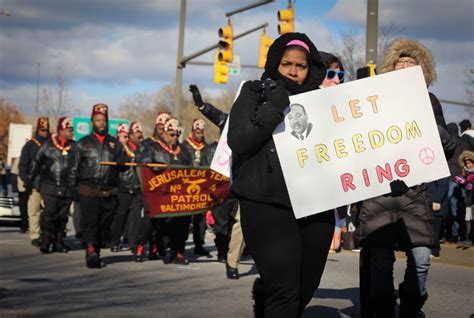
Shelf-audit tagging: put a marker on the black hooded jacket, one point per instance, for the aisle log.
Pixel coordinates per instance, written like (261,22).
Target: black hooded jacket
(256,168)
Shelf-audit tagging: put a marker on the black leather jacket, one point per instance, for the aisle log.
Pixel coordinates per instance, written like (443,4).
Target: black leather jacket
(154,153)
(51,164)
(85,167)
(197,157)
(129,180)
(28,155)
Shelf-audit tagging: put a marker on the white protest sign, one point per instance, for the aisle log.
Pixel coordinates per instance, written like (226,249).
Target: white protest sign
(222,160)
(356,138)
(18,135)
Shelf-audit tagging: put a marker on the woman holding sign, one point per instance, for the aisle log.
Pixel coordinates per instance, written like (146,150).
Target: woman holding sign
(290,254)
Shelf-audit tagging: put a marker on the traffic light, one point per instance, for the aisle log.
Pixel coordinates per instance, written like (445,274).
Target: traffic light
(220,70)
(288,18)
(265,43)
(367,71)
(225,44)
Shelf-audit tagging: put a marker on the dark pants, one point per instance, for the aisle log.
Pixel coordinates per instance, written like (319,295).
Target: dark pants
(138,222)
(438,229)
(290,254)
(178,231)
(23,205)
(96,217)
(54,217)
(126,203)
(199,229)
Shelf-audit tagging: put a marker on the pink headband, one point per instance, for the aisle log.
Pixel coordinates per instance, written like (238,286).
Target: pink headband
(298,43)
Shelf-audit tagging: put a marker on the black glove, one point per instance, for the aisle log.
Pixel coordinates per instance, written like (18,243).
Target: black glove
(196,95)
(398,188)
(275,93)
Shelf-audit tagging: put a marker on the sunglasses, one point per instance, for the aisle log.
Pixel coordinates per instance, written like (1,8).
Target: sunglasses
(330,74)
(174,135)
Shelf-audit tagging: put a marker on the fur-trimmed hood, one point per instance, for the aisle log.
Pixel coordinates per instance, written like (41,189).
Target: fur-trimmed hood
(465,154)
(413,49)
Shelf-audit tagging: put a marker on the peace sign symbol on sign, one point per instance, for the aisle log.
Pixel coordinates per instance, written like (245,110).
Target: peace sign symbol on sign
(426,155)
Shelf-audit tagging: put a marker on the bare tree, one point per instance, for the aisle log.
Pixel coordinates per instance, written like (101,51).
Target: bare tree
(387,35)
(55,99)
(351,47)
(351,52)
(9,113)
(144,107)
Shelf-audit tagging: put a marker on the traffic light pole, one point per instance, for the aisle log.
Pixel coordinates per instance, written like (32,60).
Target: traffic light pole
(179,68)
(212,64)
(372,31)
(188,58)
(248,7)
(181,61)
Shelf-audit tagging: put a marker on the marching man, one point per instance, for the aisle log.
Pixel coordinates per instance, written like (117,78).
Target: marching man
(96,183)
(51,163)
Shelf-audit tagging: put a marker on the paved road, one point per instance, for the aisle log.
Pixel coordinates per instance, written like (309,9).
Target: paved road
(32,284)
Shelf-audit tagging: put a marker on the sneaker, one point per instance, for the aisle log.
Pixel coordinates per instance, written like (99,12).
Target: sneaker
(92,258)
(153,254)
(180,259)
(138,256)
(435,256)
(36,242)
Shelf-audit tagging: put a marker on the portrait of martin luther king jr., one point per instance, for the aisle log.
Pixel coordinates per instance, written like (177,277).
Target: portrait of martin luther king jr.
(298,120)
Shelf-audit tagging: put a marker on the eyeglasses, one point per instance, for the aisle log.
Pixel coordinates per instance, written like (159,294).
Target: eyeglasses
(408,61)
(43,130)
(330,74)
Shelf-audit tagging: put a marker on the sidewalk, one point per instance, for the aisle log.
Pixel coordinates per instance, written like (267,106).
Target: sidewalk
(452,254)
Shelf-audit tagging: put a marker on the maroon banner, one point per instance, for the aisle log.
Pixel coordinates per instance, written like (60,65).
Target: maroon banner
(176,191)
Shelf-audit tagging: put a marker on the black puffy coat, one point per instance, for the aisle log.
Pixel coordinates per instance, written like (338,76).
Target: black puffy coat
(86,156)
(51,164)
(256,167)
(410,215)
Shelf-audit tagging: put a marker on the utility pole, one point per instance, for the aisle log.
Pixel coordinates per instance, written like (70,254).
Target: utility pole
(37,88)
(179,66)
(372,31)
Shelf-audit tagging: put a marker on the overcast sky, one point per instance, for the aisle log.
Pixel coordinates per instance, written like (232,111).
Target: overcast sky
(115,48)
